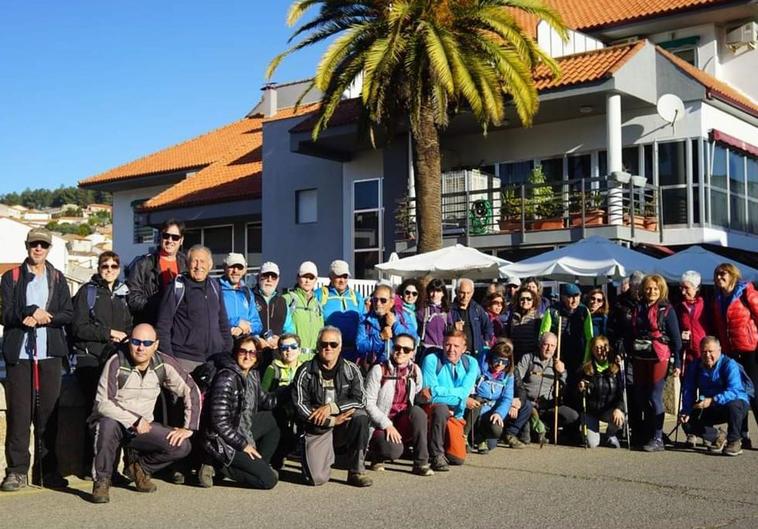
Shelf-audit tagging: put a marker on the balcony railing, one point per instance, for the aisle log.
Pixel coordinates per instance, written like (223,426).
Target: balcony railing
(580,203)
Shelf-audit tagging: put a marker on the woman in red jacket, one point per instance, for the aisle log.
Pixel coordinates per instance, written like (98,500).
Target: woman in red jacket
(735,317)
(694,319)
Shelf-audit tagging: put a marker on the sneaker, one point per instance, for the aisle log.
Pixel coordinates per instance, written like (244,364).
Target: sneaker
(513,441)
(613,442)
(100,491)
(176,477)
(654,445)
(733,448)
(423,470)
(439,464)
(142,480)
(51,480)
(483,448)
(717,446)
(14,482)
(359,479)
(378,466)
(205,476)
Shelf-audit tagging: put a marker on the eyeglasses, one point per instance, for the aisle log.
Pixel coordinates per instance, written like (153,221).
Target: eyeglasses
(42,244)
(173,236)
(496,302)
(110,266)
(500,362)
(288,347)
(246,352)
(410,293)
(596,300)
(402,349)
(237,267)
(310,277)
(269,275)
(330,345)
(521,300)
(136,342)
(380,300)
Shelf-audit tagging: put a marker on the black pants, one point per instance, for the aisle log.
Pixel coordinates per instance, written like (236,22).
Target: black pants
(732,413)
(285,420)
(412,425)
(568,418)
(88,378)
(19,398)
(486,430)
(440,413)
(750,363)
(266,434)
(254,473)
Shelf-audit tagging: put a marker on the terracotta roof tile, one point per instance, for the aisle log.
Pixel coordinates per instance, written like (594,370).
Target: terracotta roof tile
(716,89)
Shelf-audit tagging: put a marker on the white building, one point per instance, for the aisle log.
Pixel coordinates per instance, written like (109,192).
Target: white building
(13,249)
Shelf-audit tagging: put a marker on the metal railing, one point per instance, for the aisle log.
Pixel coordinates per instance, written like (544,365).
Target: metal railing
(579,203)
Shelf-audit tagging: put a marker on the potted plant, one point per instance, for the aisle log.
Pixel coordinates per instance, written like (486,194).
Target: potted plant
(650,214)
(405,222)
(542,206)
(510,209)
(594,214)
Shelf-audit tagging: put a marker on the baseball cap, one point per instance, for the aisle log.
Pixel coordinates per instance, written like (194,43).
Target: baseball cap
(269,267)
(339,267)
(513,280)
(235,259)
(308,267)
(39,235)
(570,289)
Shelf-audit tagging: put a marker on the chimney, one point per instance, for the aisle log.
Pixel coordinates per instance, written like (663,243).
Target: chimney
(268,101)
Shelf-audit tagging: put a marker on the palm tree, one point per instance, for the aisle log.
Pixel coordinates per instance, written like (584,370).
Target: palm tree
(421,61)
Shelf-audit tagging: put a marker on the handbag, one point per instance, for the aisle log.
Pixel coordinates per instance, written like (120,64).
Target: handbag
(643,349)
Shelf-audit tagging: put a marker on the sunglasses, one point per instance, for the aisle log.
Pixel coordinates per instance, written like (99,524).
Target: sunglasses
(42,244)
(380,300)
(173,236)
(402,349)
(136,342)
(110,267)
(526,299)
(500,362)
(269,275)
(246,352)
(410,293)
(330,345)
(288,347)
(310,277)
(597,300)
(237,267)
(496,302)
(343,276)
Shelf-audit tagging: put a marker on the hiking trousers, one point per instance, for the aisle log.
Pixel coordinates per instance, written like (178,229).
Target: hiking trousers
(351,436)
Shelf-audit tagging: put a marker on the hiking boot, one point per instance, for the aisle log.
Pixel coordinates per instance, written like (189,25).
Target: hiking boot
(613,442)
(439,464)
(378,466)
(691,441)
(176,477)
(654,445)
(483,448)
(422,470)
(100,491)
(733,448)
(205,476)
(359,479)
(717,446)
(51,480)
(525,436)
(142,480)
(513,441)
(13,482)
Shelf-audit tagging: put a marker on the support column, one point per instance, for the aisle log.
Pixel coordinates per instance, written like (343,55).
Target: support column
(614,147)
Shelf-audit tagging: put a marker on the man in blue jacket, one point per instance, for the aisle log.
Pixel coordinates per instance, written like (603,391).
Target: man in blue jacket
(343,306)
(468,316)
(723,398)
(449,379)
(238,298)
(378,328)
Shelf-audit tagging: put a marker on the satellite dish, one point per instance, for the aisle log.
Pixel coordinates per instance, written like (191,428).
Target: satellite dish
(670,108)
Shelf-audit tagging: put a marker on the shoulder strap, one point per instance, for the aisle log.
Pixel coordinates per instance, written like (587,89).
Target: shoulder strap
(159,367)
(466,359)
(324,295)
(124,369)
(179,289)
(16,274)
(91,298)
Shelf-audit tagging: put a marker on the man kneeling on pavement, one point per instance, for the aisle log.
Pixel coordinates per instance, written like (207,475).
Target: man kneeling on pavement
(123,413)
(723,398)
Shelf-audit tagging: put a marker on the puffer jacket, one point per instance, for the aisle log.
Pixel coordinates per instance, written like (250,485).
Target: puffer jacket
(605,391)
(381,383)
(224,406)
(523,330)
(735,318)
(370,346)
(693,317)
(145,287)
(495,392)
(91,329)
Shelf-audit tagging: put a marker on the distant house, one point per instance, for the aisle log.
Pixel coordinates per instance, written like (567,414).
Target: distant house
(9,211)
(36,217)
(98,208)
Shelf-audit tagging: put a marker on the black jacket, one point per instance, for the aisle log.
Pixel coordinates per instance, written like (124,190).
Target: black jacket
(273,313)
(620,322)
(196,328)
(605,390)
(308,392)
(15,310)
(145,288)
(91,329)
(222,410)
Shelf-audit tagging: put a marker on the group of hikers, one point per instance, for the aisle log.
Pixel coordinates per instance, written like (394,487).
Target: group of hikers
(210,379)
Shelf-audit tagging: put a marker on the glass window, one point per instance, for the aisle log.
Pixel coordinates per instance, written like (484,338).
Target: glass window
(695,162)
(630,160)
(672,167)
(718,167)
(752,177)
(553,169)
(648,159)
(364,265)
(579,166)
(718,208)
(254,244)
(366,194)
(191,238)
(220,241)
(687,54)
(488,169)
(366,230)
(515,172)
(736,173)
(752,208)
(602,164)
(143,234)
(306,206)
(738,220)
(674,206)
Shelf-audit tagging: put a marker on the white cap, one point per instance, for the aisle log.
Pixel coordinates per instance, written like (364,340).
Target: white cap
(513,280)
(269,267)
(339,268)
(308,267)
(235,259)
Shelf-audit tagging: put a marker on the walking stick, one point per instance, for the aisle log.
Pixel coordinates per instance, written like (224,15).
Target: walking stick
(626,403)
(675,431)
(557,387)
(584,416)
(32,347)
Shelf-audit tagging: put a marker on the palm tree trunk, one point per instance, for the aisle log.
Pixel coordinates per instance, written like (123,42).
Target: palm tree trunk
(428,176)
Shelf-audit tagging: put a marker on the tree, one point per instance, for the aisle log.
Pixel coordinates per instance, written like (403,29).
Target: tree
(423,61)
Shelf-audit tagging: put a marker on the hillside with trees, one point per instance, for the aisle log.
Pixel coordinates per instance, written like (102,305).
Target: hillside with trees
(53,198)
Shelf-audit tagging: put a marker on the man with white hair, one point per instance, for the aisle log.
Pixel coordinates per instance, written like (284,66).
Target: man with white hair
(468,316)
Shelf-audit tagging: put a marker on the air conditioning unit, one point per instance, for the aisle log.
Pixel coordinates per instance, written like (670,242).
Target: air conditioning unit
(745,35)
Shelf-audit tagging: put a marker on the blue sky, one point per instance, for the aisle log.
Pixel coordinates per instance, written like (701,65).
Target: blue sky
(86,85)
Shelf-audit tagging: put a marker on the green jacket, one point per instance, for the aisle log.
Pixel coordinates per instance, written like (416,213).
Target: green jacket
(576,333)
(307,317)
(278,374)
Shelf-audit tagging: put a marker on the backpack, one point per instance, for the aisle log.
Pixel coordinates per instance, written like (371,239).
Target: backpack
(747,383)
(125,368)
(325,296)
(179,289)
(466,359)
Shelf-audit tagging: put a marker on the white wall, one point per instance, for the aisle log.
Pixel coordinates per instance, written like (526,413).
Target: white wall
(738,68)
(366,165)
(577,42)
(714,118)
(123,221)
(13,249)
(707,53)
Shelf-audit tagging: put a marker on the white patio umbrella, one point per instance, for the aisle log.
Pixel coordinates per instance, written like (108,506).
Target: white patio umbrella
(594,260)
(448,263)
(702,261)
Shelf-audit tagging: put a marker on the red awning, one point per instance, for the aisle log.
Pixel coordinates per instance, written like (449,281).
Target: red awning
(735,143)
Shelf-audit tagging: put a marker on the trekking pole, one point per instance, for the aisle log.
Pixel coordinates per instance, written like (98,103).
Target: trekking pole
(557,387)
(626,404)
(675,431)
(32,346)
(584,416)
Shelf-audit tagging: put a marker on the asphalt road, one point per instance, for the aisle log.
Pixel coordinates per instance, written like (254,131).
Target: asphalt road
(531,488)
